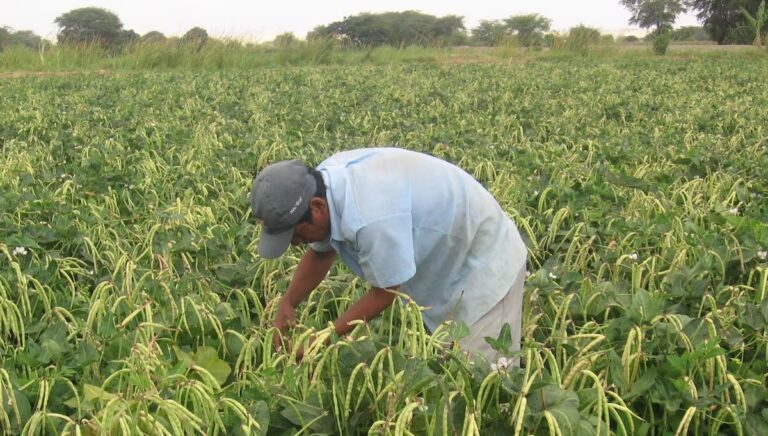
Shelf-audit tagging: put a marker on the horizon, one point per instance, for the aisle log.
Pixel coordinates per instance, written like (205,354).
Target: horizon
(230,19)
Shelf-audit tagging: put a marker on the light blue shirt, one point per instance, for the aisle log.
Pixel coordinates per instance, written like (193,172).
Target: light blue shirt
(404,218)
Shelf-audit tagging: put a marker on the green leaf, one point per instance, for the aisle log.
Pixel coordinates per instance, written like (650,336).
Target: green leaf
(95,393)
(628,181)
(260,412)
(301,414)
(562,404)
(503,343)
(757,424)
(21,405)
(459,331)
(207,358)
(645,306)
(642,384)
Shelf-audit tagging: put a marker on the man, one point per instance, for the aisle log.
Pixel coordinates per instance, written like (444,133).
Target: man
(402,221)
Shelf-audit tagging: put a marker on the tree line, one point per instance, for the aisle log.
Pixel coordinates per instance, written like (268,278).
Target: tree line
(724,21)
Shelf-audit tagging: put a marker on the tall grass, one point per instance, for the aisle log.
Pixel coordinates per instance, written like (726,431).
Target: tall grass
(218,55)
(213,56)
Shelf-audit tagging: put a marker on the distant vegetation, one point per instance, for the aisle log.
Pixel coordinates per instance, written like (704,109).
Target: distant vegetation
(96,38)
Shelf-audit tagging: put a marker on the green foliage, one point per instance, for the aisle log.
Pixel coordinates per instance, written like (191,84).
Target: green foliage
(89,26)
(661,43)
(285,40)
(724,20)
(757,23)
(397,29)
(128,38)
(5,37)
(659,14)
(134,302)
(153,37)
(195,38)
(528,28)
(21,38)
(689,33)
(28,39)
(490,32)
(581,38)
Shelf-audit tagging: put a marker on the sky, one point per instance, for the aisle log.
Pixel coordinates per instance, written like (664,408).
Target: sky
(256,20)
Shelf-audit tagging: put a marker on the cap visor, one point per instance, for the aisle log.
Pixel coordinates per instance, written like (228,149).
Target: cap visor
(273,245)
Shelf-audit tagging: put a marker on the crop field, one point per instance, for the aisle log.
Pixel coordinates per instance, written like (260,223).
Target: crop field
(132,300)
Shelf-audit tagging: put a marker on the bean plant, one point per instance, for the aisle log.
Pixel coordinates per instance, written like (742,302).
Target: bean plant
(133,301)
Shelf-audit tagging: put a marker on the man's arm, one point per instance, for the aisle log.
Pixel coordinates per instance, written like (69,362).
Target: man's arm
(369,306)
(312,269)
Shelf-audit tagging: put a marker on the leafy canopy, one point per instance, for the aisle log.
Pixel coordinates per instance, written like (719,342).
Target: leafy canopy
(195,37)
(724,20)
(397,29)
(490,32)
(529,28)
(89,25)
(659,14)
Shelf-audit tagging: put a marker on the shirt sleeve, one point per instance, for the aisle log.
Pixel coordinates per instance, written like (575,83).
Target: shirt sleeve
(385,251)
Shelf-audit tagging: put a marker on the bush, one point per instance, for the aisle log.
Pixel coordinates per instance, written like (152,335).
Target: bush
(661,43)
(580,38)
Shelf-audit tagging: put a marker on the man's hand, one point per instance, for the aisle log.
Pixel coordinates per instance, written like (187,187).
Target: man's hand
(311,270)
(286,318)
(370,305)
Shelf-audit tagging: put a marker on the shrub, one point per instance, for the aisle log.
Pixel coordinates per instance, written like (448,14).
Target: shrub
(661,43)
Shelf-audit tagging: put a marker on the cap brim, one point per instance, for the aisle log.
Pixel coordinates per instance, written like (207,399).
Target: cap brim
(273,245)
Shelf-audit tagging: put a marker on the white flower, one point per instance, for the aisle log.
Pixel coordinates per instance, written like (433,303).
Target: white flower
(527,274)
(535,193)
(552,276)
(500,365)
(422,407)
(131,186)
(62,176)
(19,251)
(632,256)
(89,272)
(734,211)
(762,255)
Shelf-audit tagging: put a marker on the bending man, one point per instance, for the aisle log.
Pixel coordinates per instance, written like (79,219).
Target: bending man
(400,220)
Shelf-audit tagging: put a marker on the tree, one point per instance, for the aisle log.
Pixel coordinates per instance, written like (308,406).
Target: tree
(660,14)
(589,35)
(581,38)
(757,23)
(153,37)
(723,19)
(689,33)
(195,38)
(397,29)
(285,40)
(490,32)
(89,25)
(528,28)
(26,38)
(128,37)
(5,37)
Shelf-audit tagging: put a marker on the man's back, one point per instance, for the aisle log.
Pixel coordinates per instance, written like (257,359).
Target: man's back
(404,218)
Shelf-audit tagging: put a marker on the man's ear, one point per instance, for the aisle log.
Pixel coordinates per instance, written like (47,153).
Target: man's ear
(319,205)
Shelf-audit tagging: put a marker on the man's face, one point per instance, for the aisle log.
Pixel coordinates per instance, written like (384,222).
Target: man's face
(317,230)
